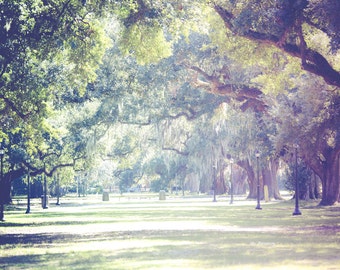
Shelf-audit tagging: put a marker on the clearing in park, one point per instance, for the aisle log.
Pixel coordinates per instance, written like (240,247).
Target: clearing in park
(176,233)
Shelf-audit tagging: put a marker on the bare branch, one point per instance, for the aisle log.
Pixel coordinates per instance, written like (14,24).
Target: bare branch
(183,153)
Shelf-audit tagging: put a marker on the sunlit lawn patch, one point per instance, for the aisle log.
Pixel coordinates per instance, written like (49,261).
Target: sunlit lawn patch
(172,234)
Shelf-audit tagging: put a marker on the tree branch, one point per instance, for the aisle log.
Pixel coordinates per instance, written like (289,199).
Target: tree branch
(176,150)
(312,61)
(251,96)
(12,106)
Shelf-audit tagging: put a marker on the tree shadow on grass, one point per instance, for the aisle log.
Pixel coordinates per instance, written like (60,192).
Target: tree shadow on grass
(54,238)
(208,249)
(53,223)
(43,238)
(204,255)
(32,239)
(20,260)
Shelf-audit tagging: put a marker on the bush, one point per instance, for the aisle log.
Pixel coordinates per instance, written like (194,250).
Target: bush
(304,174)
(157,185)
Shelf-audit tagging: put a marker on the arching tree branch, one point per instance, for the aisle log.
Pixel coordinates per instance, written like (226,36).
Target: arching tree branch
(250,97)
(311,60)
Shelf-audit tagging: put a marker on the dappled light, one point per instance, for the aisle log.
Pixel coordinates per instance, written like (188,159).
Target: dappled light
(176,234)
(153,134)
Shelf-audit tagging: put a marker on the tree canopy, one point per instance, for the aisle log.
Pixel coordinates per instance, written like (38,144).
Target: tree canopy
(192,80)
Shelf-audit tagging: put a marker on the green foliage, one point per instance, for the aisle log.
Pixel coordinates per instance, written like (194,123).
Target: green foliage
(324,15)
(19,187)
(126,180)
(278,78)
(303,175)
(46,50)
(125,8)
(265,66)
(82,57)
(64,84)
(158,184)
(145,42)
(307,116)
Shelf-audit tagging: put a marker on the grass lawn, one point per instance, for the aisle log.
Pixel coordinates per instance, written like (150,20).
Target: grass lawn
(177,233)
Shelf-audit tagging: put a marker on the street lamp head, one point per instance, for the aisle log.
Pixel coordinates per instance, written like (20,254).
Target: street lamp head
(295,145)
(231,161)
(257,154)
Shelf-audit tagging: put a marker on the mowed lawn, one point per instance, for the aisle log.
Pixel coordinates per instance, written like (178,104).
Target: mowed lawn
(176,233)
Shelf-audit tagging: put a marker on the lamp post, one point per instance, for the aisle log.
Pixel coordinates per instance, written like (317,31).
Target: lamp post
(78,185)
(45,204)
(28,210)
(258,206)
(231,182)
(214,183)
(58,189)
(2,198)
(297,193)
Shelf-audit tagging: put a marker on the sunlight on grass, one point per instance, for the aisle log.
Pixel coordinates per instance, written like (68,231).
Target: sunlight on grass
(173,234)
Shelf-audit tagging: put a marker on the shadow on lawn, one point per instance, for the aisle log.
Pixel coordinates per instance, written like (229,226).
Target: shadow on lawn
(208,249)
(53,223)
(205,255)
(47,238)
(34,239)
(19,260)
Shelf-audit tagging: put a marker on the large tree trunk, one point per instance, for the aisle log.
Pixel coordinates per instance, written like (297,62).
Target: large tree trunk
(328,169)
(2,201)
(220,181)
(5,193)
(330,181)
(315,187)
(240,180)
(252,180)
(6,183)
(269,174)
(5,189)
(312,190)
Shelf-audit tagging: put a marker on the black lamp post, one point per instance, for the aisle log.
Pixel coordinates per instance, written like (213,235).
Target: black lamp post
(77,178)
(28,210)
(297,193)
(231,182)
(214,183)
(258,206)
(2,199)
(45,204)
(58,190)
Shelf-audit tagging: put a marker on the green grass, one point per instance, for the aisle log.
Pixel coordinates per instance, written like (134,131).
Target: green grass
(189,233)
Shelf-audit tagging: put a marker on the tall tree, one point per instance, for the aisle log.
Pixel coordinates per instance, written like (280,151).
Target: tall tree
(310,118)
(46,47)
